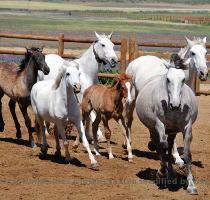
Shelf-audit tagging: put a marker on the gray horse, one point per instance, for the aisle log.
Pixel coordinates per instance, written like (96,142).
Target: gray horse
(166,106)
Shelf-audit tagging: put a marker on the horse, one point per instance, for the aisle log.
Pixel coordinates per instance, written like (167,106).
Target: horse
(55,101)
(171,110)
(146,67)
(107,102)
(16,82)
(100,52)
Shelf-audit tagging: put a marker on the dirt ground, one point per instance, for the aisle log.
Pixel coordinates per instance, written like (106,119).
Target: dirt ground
(24,175)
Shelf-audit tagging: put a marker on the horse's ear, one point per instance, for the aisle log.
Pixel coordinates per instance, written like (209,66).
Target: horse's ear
(110,35)
(40,49)
(97,35)
(189,42)
(204,40)
(28,50)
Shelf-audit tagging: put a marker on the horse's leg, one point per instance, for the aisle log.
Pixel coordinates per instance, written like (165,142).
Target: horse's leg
(12,105)
(47,128)
(160,129)
(100,136)
(187,157)
(58,147)
(121,121)
(23,109)
(61,131)
(40,127)
(129,108)
(1,117)
(171,138)
(94,129)
(81,131)
(176,155)
(107,135)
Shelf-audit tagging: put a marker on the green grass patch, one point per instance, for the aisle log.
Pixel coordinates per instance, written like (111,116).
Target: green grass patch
(43,23)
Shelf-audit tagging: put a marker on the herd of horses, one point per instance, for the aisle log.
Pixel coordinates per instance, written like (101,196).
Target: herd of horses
(63,91)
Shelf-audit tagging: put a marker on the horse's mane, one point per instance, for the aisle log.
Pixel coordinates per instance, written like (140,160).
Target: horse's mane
(196,41)
(25,60)
(58,78)
(177,61)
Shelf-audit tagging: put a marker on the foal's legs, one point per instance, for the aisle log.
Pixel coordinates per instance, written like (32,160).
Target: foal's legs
(121,121)
(95,128)
(188,158)
(23,109)
(12,105)
(100,136)
(107,135)
(129,108)
(1,117)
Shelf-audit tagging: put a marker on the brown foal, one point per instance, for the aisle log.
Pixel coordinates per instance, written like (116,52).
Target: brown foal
(107,102)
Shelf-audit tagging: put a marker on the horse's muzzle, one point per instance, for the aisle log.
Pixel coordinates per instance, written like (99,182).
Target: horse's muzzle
(46,70)
(77,88)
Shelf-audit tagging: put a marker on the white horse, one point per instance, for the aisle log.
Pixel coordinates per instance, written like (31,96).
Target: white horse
(166,106)
(145,68)
(100,52)
(55,101)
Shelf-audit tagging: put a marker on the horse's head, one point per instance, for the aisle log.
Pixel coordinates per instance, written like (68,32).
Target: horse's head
(198,56)
(104,50)
(124,82)
(39,58)
(72,76)
(175,79)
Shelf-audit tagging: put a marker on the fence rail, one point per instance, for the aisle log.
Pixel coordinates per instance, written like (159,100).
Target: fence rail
(129,50)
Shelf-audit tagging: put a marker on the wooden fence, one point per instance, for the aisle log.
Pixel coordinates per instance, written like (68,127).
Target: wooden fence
(129,50)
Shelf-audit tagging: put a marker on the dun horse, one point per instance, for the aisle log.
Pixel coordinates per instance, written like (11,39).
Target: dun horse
(17,81)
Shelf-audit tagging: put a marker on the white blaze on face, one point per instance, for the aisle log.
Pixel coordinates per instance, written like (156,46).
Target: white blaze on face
(175,82)
(128,86)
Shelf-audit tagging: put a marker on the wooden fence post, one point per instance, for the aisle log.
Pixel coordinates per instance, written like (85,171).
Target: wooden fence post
(61,44)
(131,49)
(136,55)
(123,55)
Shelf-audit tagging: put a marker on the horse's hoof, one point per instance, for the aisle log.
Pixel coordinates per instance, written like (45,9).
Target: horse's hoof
(160,174)
(1,127)
(192,191)
(151,146)
(130,160)
(111,157)
(101,139)
(179,163)
(33,145)
(57,154)
(95,166)
(164,145)
(44,150)
(75,147)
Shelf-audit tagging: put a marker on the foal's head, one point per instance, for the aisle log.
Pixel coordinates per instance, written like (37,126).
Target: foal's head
(38,58)
(104,49)
(72,76)
(123,82)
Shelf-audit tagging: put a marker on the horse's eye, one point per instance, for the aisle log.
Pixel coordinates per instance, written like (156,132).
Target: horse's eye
(68,74)
(183,80)
(103,45)
(192,53)
(168,80)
